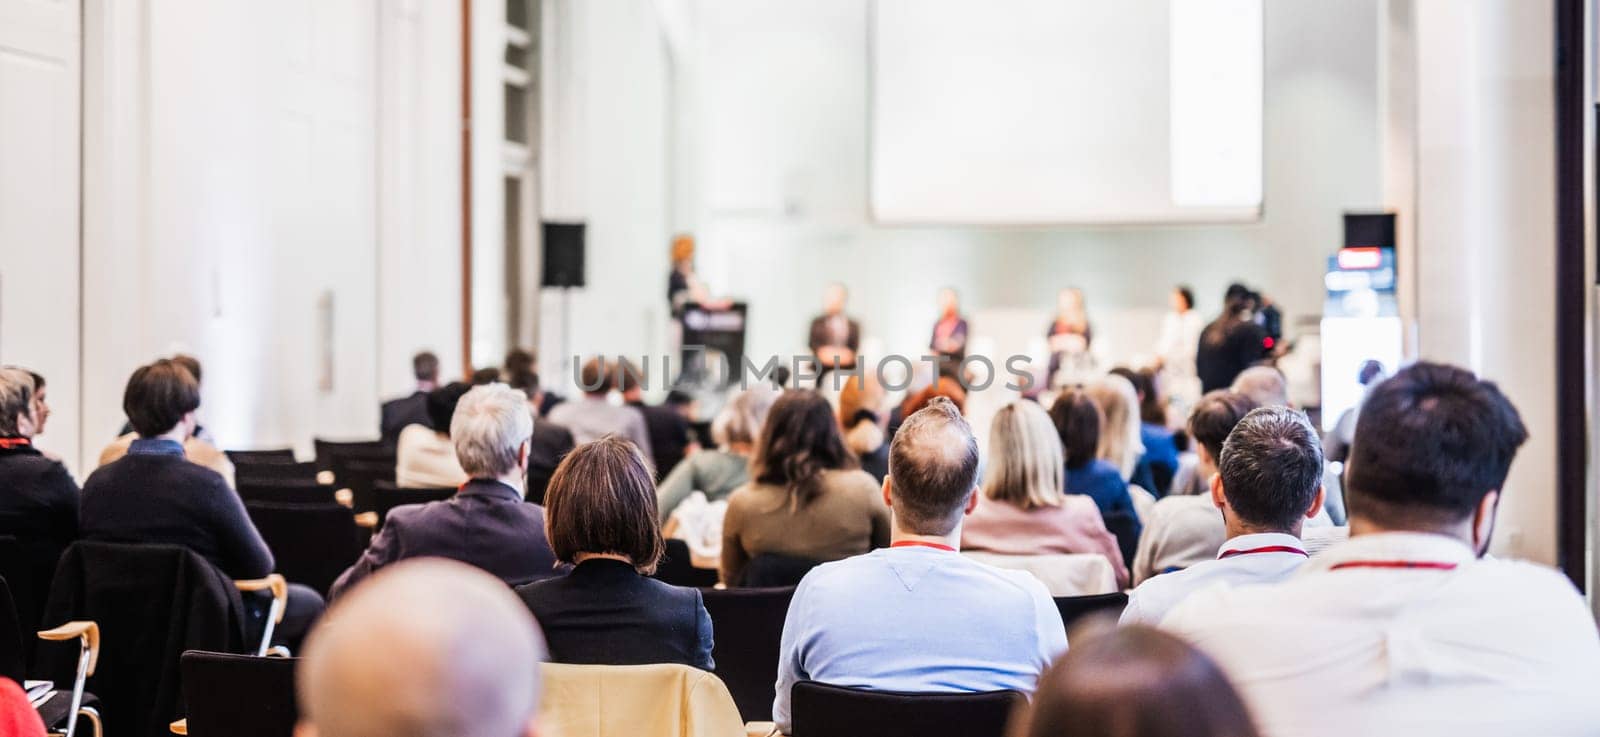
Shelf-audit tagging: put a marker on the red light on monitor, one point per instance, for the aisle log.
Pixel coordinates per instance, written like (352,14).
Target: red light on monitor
(1365,257)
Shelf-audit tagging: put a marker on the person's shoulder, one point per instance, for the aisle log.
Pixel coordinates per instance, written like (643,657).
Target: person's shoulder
(850,479)
(537,593)
(1522,580)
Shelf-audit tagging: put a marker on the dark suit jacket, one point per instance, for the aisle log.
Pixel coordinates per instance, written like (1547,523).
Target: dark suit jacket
(398,413)
(819,334)
(38,498)
(154,495)
(549,444)
(486,524)
(605,613)
(669,435)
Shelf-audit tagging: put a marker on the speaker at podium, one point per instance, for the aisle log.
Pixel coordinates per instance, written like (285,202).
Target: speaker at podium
(720,332)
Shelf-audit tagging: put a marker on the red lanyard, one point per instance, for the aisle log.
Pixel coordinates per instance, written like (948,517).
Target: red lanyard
(8,443)
(1268,549)
(920,544)
(1425,565)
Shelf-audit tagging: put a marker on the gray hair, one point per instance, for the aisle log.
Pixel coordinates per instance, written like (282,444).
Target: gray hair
(16,398)
(424,648)
(741,420)
(1263,384)
(491,422)
(1271,467)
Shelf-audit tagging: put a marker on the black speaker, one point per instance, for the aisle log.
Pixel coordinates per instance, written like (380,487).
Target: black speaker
(563,255)
(1369,230)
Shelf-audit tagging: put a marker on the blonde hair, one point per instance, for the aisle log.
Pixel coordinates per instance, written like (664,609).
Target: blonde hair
(1119,436)
(1025,459)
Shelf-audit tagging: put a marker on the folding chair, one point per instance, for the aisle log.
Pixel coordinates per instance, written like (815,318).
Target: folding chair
(678,569)
(1074,608)
(749,629)
(237,695)
(312,543)
(286,492)
(771,570)
(274,472)
(330,452)
(276,455)
(820,710)
(59,717)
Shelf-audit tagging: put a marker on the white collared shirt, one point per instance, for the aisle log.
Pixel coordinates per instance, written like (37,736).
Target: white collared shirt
(1246,559)
(1355,644)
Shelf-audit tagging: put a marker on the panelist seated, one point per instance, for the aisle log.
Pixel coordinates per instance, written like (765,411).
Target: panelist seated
(835,336)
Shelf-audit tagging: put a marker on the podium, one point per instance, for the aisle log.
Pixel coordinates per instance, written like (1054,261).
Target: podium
(720,333)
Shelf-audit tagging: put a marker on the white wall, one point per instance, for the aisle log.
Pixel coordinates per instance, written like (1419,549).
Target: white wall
(769,156)
(605,162)
(1485,156)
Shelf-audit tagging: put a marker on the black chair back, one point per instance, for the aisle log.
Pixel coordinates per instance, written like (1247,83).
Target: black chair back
(330,452)
(152,603)
(276,455)
(312,543)
(749,628)
(678,569)
(286,492)
(27,565)
(1073,608)
(387,496)
(361,478)
(1125,527)
(772,570)
(239,695)
(12,664)
(275,472)
(821,710)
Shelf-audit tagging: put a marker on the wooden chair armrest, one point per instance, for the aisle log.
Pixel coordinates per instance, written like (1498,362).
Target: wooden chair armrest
(345,497)
(86,630)
(179,727)
(760,729)
(276,583)
(325,477)
(368,520)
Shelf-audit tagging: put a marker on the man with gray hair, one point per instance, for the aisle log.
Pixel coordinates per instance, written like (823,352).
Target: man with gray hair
(1264,385)
(486,524)
(40,503)
(917,616)
(1268,483)
(427,648)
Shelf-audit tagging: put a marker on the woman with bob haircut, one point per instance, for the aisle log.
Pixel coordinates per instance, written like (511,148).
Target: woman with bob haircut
(1025,510)
(600,516)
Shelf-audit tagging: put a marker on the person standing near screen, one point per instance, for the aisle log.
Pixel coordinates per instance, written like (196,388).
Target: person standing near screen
(949,341)
(1069,336)
(835,336)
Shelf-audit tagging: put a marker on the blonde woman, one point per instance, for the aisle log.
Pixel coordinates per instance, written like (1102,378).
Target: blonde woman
(1025,509)
(1120,441)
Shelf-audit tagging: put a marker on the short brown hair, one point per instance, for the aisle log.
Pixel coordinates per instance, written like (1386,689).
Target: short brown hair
(595,376)
(1214,416)
(189,363)
(933,468)
(602,499)
(159,395)
(1077,419)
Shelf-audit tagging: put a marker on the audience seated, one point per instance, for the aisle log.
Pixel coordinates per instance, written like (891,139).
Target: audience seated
(717,472)
(667,427)
(607,611)
(397,414)
(427,648)
(1135,682)
(1160,447)
(942,386)
(550,442)
(198,447)
(593,416)
(1185,528)
(486,524)
(1264,385)
(153,495)
(806,497)
(425,458)
(1077,420)
(40,499)
(1024,510)
(917,616)
(1270,483)
(862,418)
(1407,629)
(1120,438)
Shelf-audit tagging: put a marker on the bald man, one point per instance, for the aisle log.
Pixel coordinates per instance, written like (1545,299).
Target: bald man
(424,648)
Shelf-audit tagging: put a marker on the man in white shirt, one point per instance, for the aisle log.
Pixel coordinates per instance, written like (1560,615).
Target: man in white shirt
(1184,528)
(1405,630)
(1269,483)
(919,616)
